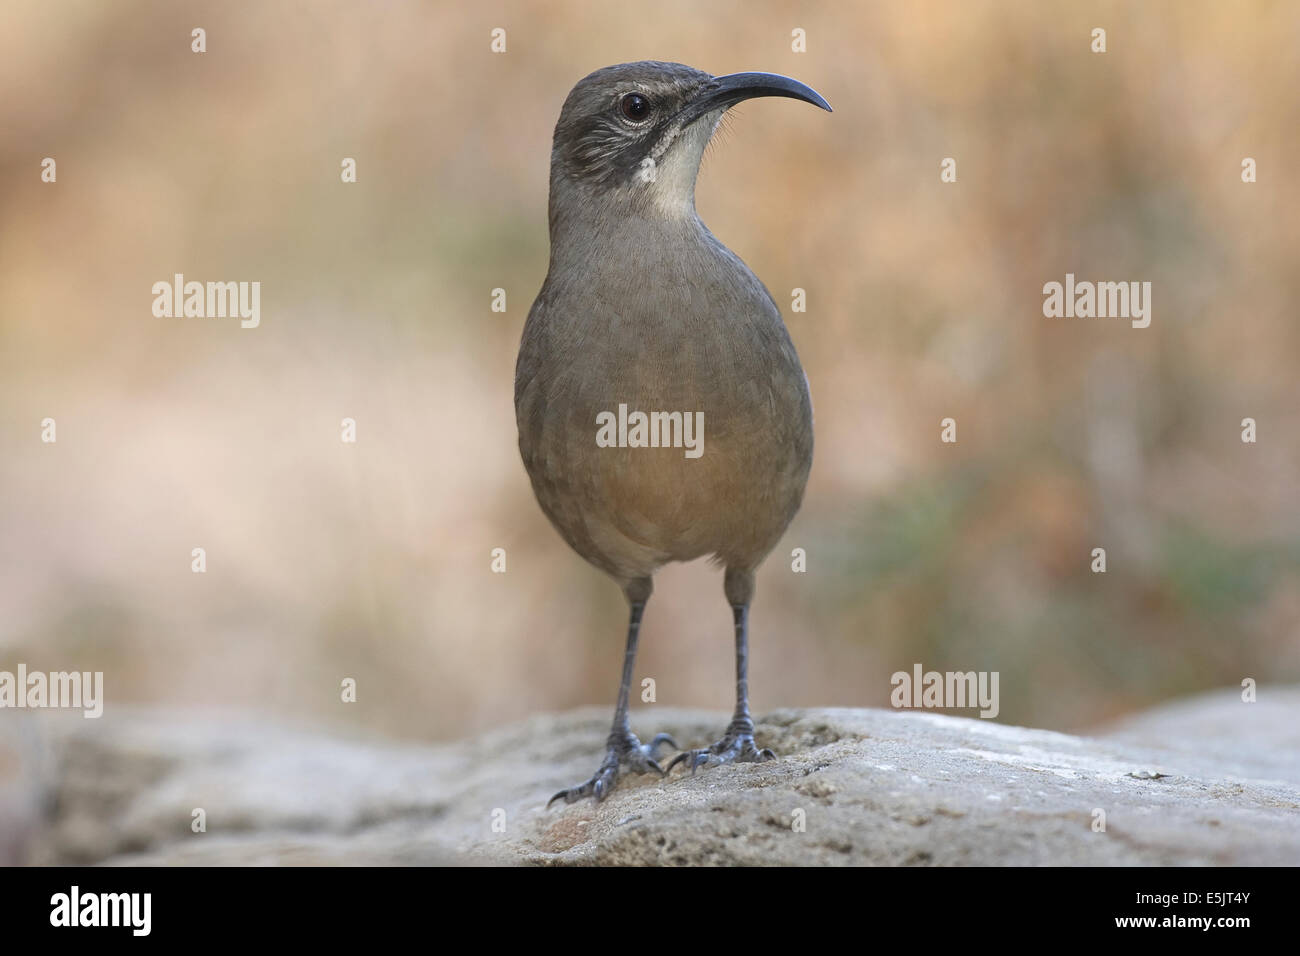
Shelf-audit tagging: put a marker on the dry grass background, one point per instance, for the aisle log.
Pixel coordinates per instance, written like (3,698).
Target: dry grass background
(328,560)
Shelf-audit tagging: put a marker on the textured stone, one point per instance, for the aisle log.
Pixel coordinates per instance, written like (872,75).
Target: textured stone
(1208,781)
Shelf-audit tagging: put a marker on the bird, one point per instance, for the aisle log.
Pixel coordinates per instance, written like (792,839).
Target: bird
(643,309)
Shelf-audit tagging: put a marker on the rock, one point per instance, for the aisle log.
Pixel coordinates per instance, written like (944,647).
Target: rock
(1210,781)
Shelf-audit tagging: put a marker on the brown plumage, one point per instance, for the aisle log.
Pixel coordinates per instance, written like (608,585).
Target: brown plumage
(643,307)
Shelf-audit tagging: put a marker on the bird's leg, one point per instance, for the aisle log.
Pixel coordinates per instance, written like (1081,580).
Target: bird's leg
(622,746)
(737,744)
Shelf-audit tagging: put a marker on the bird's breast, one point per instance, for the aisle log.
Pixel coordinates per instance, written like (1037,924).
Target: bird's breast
(663,407)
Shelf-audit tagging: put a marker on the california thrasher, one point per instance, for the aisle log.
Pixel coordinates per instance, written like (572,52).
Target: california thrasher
(644,310)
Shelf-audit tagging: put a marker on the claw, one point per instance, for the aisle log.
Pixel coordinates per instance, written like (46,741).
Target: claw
(661,739)
(727,750)
(626,753)
(696,758)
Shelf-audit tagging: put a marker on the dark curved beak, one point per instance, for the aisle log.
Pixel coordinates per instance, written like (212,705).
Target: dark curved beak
(723,92)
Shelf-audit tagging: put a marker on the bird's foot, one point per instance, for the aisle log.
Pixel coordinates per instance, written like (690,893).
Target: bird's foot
(623,750)
(734,747)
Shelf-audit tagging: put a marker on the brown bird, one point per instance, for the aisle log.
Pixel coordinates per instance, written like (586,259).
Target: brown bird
(662,411)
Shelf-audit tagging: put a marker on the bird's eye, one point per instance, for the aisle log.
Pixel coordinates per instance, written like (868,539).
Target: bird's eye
(635,107)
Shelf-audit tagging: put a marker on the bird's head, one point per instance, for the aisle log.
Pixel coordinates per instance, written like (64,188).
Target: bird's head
(636,132)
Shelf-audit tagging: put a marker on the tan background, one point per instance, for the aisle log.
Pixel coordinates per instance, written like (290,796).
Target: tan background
(328,560)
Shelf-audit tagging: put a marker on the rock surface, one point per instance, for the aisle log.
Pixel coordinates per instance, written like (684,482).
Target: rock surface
(1210,781)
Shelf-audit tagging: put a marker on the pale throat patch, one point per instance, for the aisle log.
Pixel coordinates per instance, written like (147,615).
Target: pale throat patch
(671,170)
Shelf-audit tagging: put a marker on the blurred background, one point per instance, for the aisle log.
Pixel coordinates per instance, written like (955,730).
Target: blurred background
(328,560)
